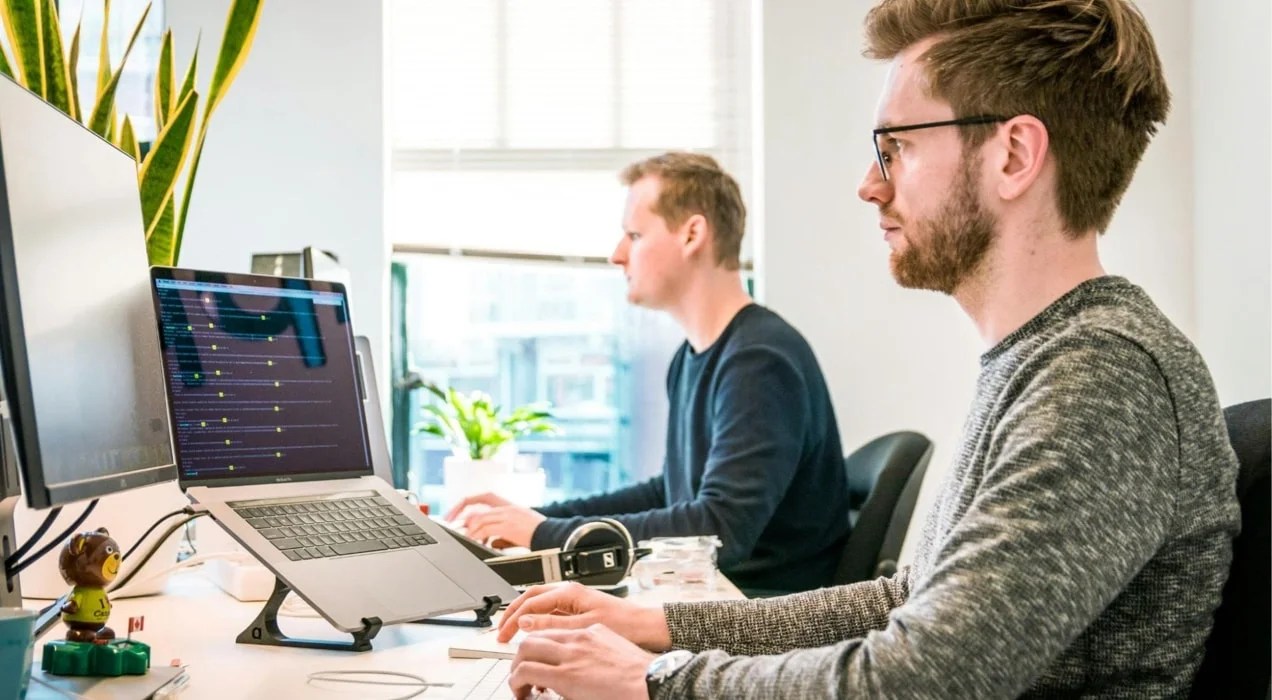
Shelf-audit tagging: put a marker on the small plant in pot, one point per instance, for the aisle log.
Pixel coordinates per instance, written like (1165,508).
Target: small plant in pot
(482,437)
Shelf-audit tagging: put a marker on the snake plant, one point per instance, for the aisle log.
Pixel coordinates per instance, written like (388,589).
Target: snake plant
(46,66)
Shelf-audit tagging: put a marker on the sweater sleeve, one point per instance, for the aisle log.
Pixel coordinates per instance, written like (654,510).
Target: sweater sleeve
(761,414)
(1076,497)
(564,516)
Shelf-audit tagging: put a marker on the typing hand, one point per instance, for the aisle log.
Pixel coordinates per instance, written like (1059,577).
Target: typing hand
(513,524)
(482,499)
(571,606)
(594,662)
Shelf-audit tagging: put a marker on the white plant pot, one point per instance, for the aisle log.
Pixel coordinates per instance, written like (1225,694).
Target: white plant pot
(462,477)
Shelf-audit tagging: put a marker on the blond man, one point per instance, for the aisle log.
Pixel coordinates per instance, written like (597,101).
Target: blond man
(753,453)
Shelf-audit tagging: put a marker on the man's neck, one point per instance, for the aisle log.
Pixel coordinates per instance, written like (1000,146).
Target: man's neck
(708,305)
(1023,275)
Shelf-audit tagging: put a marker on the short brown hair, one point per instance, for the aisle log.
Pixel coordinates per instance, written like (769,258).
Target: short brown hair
(1088,69)
(693,183)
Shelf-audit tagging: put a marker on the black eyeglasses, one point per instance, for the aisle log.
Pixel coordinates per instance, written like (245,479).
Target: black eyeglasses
(885,157)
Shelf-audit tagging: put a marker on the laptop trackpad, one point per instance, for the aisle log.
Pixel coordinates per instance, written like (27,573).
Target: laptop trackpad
(410,584)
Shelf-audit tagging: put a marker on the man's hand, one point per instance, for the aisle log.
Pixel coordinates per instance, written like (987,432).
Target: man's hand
(512,524)
(585,663)
(572,606)
(481,499)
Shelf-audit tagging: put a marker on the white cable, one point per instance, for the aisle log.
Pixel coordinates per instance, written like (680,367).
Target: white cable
(412,681)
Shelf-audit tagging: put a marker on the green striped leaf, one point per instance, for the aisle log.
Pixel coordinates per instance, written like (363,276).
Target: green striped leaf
(72,62)
(159,245)
(101,120)
(22,23)
(103,53)
(128,140)
(57,79)
(163,82)
(187,84)
(158,176)
(5,67)
(236,43)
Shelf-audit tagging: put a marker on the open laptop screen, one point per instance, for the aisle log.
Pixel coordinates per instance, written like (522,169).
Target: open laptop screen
(262,385)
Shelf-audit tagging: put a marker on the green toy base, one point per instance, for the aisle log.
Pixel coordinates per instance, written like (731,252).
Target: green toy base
(117,658)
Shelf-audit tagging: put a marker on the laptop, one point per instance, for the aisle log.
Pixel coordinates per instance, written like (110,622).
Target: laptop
(270,435)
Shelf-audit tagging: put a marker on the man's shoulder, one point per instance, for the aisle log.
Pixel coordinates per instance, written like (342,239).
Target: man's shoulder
(760,326)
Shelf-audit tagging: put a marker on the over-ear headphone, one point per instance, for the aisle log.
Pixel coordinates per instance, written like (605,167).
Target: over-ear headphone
(597,553)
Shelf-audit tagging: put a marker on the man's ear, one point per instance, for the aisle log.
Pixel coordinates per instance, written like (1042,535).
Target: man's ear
(1022,147)
(695,234)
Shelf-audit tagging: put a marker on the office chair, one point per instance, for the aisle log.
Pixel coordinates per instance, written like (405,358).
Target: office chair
(1237,663)
(884,477)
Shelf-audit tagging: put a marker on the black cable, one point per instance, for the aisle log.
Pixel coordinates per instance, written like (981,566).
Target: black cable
(57,541)
(119,583)
(151,529)
(35,537)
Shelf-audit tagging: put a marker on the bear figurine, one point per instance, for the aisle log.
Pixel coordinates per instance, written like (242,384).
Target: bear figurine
(89,562)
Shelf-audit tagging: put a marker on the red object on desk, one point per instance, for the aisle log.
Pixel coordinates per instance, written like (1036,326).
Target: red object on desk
(424,508)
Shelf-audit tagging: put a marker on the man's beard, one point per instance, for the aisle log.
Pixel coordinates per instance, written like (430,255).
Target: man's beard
(944,251)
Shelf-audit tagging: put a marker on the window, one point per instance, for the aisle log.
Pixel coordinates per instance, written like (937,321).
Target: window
(135,94)
(508,126)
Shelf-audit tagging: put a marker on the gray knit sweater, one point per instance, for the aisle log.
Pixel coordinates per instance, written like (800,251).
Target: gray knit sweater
(1079,545)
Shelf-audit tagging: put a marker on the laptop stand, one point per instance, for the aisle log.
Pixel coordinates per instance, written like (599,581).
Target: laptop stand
(484,613)
(264,629)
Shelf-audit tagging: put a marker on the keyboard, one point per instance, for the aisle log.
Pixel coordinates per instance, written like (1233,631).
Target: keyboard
(481,679)
(332,526)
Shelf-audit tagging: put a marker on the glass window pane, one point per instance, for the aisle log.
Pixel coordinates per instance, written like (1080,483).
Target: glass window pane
(560,74)
(135,94)
(668,74)
(526,332)
(443,73)
(555,212)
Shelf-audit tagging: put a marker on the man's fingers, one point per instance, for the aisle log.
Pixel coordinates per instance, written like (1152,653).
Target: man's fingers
(538,600)
(527,676)
(543,648)
(551,623)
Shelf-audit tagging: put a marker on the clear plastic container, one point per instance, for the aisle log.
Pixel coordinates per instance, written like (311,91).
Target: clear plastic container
(686,562)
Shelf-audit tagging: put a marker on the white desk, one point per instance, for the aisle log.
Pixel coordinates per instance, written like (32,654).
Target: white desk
(196,622)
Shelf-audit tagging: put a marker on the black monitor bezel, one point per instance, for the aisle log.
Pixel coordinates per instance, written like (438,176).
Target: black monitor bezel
(17,391)
(254,280)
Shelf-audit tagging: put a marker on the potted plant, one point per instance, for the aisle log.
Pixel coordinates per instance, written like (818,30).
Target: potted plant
(40,61)
(482,438)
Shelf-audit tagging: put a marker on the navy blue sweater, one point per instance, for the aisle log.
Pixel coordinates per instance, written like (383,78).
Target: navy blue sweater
(753,456)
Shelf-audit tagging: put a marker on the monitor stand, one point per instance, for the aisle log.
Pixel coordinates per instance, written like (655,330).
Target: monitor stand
(10,591)
(10,493)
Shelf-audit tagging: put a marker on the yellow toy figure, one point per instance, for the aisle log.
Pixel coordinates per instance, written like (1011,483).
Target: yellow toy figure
(89,562)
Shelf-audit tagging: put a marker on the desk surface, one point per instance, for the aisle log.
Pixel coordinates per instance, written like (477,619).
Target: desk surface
(195,622)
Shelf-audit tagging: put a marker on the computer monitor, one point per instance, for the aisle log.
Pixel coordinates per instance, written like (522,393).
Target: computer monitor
(84,410)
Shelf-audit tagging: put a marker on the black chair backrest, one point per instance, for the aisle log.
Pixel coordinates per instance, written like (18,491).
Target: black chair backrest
(1238,661)
(884,477)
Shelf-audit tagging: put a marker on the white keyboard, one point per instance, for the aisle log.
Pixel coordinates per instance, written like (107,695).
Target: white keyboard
(480,679)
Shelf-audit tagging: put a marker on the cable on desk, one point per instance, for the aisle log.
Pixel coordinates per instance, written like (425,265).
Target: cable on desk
(359,677)
(35,537)
(14,570)
(132,573)
(187,510)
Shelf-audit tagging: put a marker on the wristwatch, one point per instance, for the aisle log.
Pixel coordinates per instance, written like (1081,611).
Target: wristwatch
(663,667)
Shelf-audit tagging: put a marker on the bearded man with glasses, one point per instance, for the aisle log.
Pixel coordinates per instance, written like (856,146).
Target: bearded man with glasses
(1082,540)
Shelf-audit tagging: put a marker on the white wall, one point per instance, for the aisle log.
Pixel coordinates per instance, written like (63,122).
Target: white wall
(1232,177)
(295,152)
(905,359)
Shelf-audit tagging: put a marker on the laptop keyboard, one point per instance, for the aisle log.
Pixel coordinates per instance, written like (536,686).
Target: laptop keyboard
(332,526)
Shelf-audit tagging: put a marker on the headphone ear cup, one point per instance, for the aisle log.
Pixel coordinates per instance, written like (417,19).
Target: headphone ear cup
(604,532)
